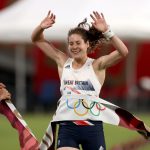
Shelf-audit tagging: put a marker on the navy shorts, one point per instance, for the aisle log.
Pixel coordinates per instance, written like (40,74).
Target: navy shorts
(90,137)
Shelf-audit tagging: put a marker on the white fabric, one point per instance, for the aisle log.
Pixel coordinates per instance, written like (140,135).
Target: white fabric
(63,113)
(18,115)
(83,80)
(108,34)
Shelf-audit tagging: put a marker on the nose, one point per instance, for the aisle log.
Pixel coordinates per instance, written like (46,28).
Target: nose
(74,46)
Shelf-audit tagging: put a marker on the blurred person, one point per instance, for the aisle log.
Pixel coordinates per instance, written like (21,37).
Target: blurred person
(81,75)
(26,138)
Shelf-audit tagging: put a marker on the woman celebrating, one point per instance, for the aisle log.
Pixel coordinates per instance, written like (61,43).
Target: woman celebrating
(81,76)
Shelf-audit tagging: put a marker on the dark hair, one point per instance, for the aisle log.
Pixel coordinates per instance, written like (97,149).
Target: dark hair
(88,33)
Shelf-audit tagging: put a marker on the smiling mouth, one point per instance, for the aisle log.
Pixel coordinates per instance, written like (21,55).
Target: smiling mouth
(75,51)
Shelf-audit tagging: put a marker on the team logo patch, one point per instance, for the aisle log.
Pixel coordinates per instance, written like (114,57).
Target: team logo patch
(67,67)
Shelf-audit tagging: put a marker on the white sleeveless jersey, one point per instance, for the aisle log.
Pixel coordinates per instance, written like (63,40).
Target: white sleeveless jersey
(80,81)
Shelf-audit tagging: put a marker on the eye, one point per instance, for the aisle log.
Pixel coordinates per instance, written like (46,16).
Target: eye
(70,43)
(78,43)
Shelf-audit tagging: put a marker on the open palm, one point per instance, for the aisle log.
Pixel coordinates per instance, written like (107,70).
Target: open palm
(99,21)
(48,21)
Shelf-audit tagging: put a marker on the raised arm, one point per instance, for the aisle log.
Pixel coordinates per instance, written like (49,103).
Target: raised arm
(121,51)
(38,39)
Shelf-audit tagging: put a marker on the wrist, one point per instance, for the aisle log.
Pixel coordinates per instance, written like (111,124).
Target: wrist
(41,28)
(108,34)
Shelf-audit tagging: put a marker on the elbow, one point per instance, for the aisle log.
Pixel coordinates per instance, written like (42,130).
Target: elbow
(125,52)
(36,38)
(33,39)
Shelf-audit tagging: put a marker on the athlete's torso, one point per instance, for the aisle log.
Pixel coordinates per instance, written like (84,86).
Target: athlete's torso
(80,81)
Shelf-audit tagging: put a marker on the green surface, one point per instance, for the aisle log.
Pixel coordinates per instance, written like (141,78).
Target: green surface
(39,122)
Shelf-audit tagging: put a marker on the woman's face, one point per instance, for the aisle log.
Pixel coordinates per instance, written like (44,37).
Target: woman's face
(77,46)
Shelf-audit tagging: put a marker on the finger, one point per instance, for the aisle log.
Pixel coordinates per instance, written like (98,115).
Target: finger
(98,15)
(48,13)
(2,85)
(5,95)
(5,98)
(54,17)
(102,16)
(93,17)
(9,96)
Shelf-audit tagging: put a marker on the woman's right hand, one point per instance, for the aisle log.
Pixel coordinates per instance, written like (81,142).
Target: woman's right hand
(48,21)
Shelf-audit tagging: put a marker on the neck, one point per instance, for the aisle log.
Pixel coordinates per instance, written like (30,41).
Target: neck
(80,60)
(77,63)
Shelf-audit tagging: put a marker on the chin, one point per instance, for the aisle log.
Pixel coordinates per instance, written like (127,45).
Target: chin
(76,56)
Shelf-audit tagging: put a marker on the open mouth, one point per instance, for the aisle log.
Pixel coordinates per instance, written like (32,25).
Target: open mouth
(75,51)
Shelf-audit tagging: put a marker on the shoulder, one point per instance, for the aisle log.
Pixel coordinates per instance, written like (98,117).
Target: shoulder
(67,62)
(90,61)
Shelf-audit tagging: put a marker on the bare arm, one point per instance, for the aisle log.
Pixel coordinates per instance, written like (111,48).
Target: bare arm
(121,50)
(39,40)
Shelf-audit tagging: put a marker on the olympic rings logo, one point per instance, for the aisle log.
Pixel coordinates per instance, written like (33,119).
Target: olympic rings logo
(81,107)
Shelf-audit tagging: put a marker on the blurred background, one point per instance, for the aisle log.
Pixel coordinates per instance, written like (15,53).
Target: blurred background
(32,78)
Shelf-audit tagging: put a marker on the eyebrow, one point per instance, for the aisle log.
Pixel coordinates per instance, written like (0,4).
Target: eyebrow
(74,41)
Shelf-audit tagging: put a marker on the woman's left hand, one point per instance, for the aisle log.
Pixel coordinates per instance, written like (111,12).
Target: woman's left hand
(99,21)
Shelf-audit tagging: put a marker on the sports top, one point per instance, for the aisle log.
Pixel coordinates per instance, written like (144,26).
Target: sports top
(82,81)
